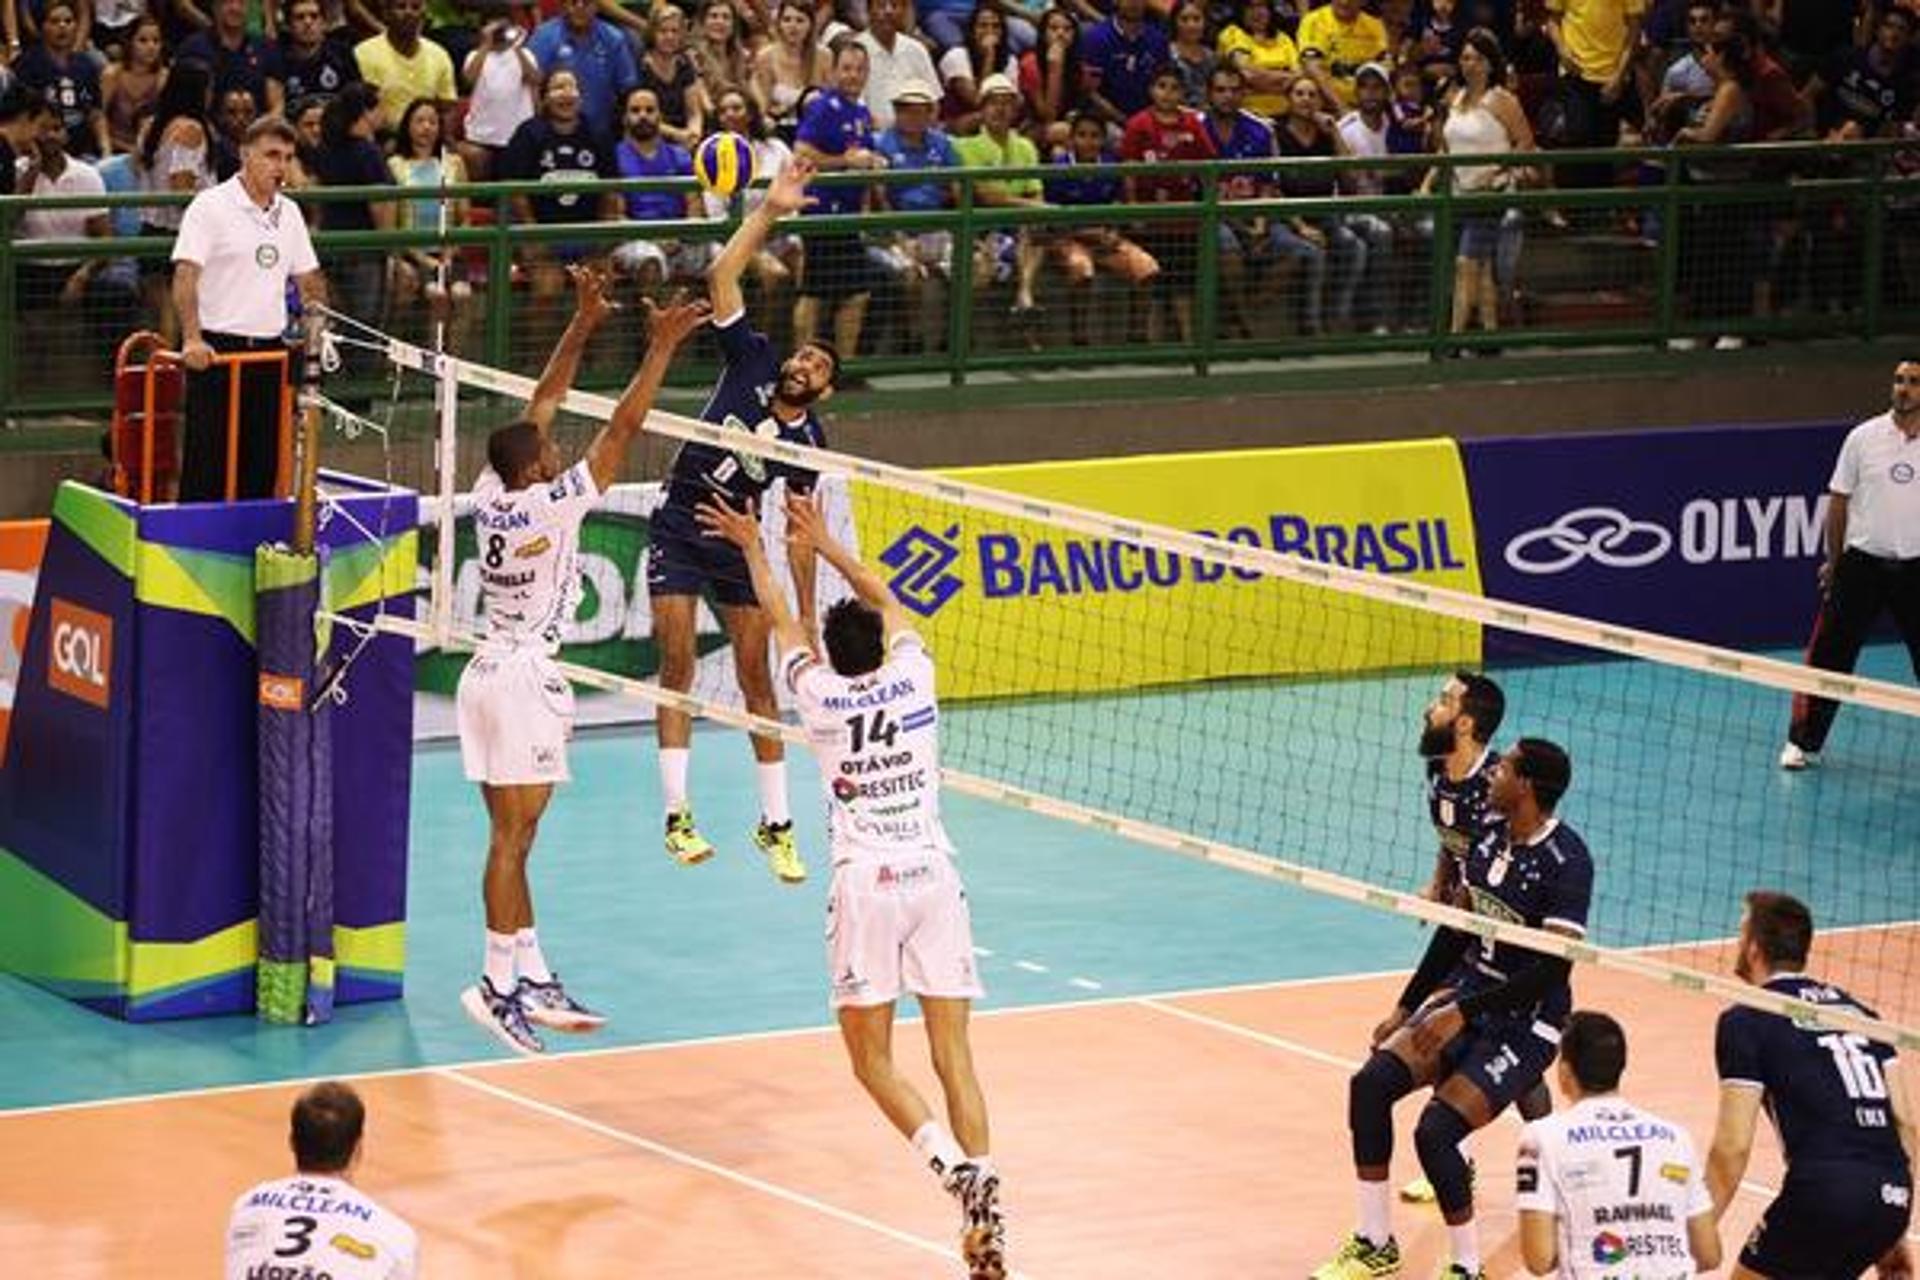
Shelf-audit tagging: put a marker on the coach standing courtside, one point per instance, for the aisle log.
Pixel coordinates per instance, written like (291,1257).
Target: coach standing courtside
(238,244)
(1873,554)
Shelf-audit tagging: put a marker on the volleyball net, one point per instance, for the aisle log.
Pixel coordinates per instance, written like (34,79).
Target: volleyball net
(1220,697)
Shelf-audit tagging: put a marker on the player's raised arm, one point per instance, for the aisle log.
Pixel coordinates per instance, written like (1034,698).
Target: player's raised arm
(591,308)
(807,531)
(667,328)
(786,195)
(742,529)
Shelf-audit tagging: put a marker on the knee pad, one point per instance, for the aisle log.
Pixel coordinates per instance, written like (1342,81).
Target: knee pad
(1437,1138)
(1371,1093)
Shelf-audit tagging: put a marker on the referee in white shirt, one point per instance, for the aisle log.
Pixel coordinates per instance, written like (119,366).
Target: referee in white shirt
(238,244)
(1873,555)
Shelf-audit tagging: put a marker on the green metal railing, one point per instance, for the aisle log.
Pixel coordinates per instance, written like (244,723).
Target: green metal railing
(1868,193)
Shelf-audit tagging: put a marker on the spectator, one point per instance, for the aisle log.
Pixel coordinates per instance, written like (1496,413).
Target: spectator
(238,60)
(1237,134)
(67,78)
(1363,132)
(1190,54)
(1596,41)
(110,27)
(789,65)
(1336,40)
(595,51)
(404,65)
(718,52)
(311,61)
(328,1122)
(305,116)
(239,244)
(505,92)
(1052,78)
(1780,113)
(233,113)
(1329,250)
(1483,118)
(560,145)
(894,59)
(1409,123)
(1685,85)
(1168,131)
(1265,55)
(421,161)
(130,89)
(97,290)
(773,264)
(1086,250)
(912,143)
(944,22)
(836,136)
(18,130)
(1015,253)
(667,69)
(349,157)
(176,156)
(1433,42)
(1121,55)
(965,66)
(1810,32)
(1717,241)
(1867,93)
(647,152)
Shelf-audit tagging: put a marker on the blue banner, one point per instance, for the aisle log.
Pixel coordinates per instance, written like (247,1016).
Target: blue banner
(1709,533)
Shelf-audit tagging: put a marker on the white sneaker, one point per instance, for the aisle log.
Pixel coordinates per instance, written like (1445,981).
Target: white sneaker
(1730,343)
(1683,344)
(1793,758)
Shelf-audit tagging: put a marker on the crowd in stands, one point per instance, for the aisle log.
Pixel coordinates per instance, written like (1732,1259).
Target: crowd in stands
(151,95)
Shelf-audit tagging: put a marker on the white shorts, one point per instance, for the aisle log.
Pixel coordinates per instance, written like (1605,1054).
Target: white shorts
(515,712)
(899,924)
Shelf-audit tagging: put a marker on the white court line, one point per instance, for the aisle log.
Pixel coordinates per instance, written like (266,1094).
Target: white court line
(1030,966)
(1085,984)
(721,1171)
(1509,1115)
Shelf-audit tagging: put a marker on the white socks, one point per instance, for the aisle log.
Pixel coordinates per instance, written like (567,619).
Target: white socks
(673,777)
(773,792)
(1376,1211)
(1466,1246)
(937,1147)
(527,957)
(499,966)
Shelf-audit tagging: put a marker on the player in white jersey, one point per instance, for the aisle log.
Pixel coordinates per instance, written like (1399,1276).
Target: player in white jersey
(1608,1191)
(317,1223)
(515,708)
(897,918)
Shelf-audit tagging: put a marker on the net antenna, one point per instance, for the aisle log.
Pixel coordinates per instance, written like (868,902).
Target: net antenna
(1303,773)
(446,406)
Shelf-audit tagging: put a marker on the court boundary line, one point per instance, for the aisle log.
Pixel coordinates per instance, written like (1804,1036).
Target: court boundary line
(1508,1115)
(748,1037)
(701,1164)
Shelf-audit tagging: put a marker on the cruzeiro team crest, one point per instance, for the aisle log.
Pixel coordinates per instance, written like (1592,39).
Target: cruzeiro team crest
(753,464)
(266,255)
(920,560)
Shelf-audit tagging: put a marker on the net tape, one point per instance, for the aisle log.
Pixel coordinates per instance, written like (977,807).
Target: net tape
(1626,641)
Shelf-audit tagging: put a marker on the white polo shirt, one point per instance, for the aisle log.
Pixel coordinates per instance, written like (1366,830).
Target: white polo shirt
(888,69)
(1878,471)
(78,179)
(246,254)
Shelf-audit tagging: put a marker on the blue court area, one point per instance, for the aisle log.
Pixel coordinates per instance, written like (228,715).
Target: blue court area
(1675,789)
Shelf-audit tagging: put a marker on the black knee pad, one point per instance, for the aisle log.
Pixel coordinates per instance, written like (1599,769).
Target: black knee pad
(1437,1138)
(1371,1093)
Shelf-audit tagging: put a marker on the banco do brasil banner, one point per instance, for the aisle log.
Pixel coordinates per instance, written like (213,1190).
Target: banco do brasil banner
(1022,607)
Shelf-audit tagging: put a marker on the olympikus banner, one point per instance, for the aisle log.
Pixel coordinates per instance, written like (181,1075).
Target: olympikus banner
(1712,534)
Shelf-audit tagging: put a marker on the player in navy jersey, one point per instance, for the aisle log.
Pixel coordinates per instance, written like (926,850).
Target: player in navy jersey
(1839,1104)
(1479,1020)
(773,399)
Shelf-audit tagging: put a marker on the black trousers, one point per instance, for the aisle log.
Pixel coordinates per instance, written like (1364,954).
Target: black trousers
(203,461)
(1863,587)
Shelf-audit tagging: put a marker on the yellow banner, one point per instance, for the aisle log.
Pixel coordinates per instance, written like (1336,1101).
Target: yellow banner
(1021,607)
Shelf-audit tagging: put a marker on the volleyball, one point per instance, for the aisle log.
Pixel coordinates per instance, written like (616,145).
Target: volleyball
(724,163)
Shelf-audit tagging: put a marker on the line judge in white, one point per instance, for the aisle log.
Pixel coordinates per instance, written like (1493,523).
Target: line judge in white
(239,243)
(317,1222)
(1873,555)
(1606,1189)
(897,917)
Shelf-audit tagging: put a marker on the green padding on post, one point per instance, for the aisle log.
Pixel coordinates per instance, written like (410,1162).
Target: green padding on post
(281,991)
(47,932)
(96,521)
(277,567)
(206,582)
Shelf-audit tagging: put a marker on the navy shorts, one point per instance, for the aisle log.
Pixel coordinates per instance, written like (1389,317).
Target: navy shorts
(685,560)
(1503,1056)
(1831,1219)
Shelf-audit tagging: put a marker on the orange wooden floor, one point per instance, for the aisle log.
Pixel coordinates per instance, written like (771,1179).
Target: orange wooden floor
(1200,1135)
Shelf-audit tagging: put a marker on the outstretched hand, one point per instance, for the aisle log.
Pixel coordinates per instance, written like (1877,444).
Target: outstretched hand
(741,528)
(788,191)
(670,325)
(590,300)
(806,526)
